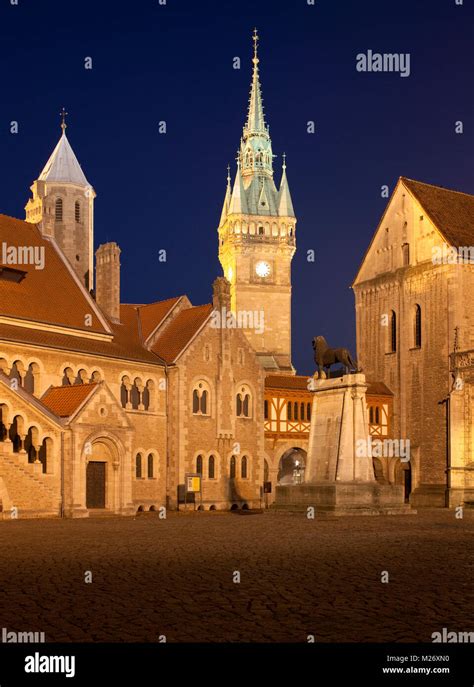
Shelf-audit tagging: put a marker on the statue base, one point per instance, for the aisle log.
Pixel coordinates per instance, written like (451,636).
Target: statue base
(343,498)
(339,474)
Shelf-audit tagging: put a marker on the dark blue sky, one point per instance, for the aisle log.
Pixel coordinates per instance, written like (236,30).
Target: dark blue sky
(174,63)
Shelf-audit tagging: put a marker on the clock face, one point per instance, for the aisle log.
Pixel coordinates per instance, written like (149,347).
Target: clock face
(262,269)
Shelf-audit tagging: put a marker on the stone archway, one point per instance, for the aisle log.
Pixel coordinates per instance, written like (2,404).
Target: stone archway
(291,466)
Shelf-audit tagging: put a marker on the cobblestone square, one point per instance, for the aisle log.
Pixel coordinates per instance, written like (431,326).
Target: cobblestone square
(298,577)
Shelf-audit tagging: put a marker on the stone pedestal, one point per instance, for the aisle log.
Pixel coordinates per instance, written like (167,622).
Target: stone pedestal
(339,475)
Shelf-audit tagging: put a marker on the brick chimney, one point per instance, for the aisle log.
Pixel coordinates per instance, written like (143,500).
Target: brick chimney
(221,294)
(107,274)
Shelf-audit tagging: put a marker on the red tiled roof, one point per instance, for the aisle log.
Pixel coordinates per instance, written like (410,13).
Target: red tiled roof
(452,212)
(180,331)
(297,382)
(152,314)
(50,295)
(65,400)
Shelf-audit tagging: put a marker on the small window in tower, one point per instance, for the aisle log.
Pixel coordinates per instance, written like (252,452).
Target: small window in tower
(78,257)
(58,210)
(77,210)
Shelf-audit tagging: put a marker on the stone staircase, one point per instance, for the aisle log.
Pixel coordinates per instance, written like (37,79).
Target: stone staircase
(24,486)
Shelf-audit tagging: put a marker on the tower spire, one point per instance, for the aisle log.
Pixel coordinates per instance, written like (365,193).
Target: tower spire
(255,118)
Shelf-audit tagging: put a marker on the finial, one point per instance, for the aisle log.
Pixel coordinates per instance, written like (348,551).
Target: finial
(63,114)
(228,174)
(255,46)
(284,161)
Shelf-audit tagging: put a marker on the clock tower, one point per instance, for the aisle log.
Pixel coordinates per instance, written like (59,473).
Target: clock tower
(257,240)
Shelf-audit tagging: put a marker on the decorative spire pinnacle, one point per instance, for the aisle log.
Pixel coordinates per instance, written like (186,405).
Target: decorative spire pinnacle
(63,114)
(284,162)
(255,47)
(255,119)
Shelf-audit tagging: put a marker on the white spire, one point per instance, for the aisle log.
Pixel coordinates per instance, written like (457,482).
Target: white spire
(63,165)
(225,207)
(285,204)
(238,204)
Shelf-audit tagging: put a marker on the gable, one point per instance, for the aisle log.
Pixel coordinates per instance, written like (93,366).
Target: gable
(405,221)
(101,408)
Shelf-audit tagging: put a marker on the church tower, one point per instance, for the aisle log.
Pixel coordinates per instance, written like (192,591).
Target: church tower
(63,207)
(257,240)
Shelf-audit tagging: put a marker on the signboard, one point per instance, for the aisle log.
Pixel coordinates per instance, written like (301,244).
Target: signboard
(193,484)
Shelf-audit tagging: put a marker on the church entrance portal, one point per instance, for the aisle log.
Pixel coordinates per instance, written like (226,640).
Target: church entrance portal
(95,484)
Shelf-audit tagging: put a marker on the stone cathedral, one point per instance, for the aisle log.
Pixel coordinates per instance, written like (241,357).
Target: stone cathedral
(111,408)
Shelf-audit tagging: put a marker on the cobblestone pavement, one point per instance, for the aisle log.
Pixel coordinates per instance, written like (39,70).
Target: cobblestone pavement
(174,577)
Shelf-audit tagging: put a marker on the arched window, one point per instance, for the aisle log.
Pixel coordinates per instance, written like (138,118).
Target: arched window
(199,465)
(244,468)
(77,211)
(232,467)
(261,231)
(138,466)
(406,254)
(417,325)
(150,466)
(393,332)
(212,467)
(244,402)
(29,381)
(201,399)
(58,210)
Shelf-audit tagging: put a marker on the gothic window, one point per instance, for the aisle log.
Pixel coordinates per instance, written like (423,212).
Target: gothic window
(417,325)
(212,467)
(138,466)
(199,465)
(58,210)
(150,466)
(244,402)
(232,467)
(244,468)
(77,211)
(201,399)
(393,332)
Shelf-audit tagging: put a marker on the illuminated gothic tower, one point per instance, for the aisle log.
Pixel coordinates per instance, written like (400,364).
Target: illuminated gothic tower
(63,207)
(257,238)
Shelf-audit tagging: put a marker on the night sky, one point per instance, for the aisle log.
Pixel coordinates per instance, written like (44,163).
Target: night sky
(175,63)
